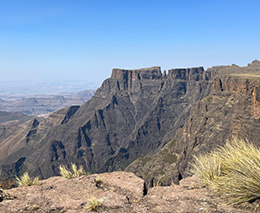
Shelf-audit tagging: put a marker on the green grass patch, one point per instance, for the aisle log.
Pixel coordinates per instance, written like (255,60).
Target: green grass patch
(169,158)
(171,144)
(145,159)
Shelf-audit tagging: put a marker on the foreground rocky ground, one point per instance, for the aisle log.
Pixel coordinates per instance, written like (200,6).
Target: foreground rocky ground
(117,191)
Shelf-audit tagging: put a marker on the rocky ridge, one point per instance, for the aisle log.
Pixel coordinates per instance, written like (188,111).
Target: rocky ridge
(133,113)
(117,192)
(160,119)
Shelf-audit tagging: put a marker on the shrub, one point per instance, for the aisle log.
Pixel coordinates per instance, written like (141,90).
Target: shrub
(26,180)
(232,172)
(93,204)
(74,172)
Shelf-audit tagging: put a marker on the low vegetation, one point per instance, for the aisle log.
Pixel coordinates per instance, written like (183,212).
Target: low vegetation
(169,158)
(232,172)
(7,184)
(26,180)
(93,204)
(73,172)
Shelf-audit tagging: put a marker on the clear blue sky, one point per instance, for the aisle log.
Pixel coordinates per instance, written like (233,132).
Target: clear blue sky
(85,39)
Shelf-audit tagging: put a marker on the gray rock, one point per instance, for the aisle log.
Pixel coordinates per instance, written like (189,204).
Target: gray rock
(133,113)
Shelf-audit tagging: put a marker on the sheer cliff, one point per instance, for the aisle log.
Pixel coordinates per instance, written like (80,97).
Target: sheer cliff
(133,113)
(232,109)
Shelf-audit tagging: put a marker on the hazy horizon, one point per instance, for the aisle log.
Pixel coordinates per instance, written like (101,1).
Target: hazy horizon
(84,40)
(52,87)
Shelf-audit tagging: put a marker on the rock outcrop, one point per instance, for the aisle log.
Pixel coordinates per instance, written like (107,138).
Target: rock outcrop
(117,192)
(133,113)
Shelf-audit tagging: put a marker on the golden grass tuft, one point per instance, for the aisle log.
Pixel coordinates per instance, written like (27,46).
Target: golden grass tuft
(74,172)
(26,180)
(232,172)
(94,203)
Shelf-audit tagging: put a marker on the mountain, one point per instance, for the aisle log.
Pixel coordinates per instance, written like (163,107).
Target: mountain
(142,121)
(133,113)
(43,105)
(7,118)
(231,110)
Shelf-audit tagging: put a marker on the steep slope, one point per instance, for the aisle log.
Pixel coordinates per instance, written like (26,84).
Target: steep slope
(19,141)
(7,118)
(134,113)
(231,110)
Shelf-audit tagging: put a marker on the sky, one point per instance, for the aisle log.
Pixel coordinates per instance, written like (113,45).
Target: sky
(83,40)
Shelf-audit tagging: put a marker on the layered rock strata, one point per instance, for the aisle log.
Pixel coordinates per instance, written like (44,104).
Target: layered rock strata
(230,111)
(133,113)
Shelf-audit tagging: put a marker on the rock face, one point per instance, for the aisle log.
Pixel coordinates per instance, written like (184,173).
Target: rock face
(133,113)
(18,141)
(117,192)
(232,110)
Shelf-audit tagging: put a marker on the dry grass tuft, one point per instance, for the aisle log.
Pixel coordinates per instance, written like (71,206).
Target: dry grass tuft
(74,172)
(26,180)
(94,203)
(232,172)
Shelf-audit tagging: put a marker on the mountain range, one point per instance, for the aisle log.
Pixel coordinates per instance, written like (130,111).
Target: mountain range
(42,105)
(144,121)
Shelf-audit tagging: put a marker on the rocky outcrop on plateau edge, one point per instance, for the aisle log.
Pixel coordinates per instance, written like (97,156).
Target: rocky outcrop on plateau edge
(232,110)
(116,192)
(133,113)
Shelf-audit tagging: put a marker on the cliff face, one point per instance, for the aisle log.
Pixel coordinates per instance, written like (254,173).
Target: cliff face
(232,110)
(133,113)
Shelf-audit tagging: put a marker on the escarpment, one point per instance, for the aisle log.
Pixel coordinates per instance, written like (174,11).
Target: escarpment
(145,121)
(231,110)
(133,113)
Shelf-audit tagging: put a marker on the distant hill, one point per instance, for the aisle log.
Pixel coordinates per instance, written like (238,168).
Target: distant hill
(43,105)
(7,118)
